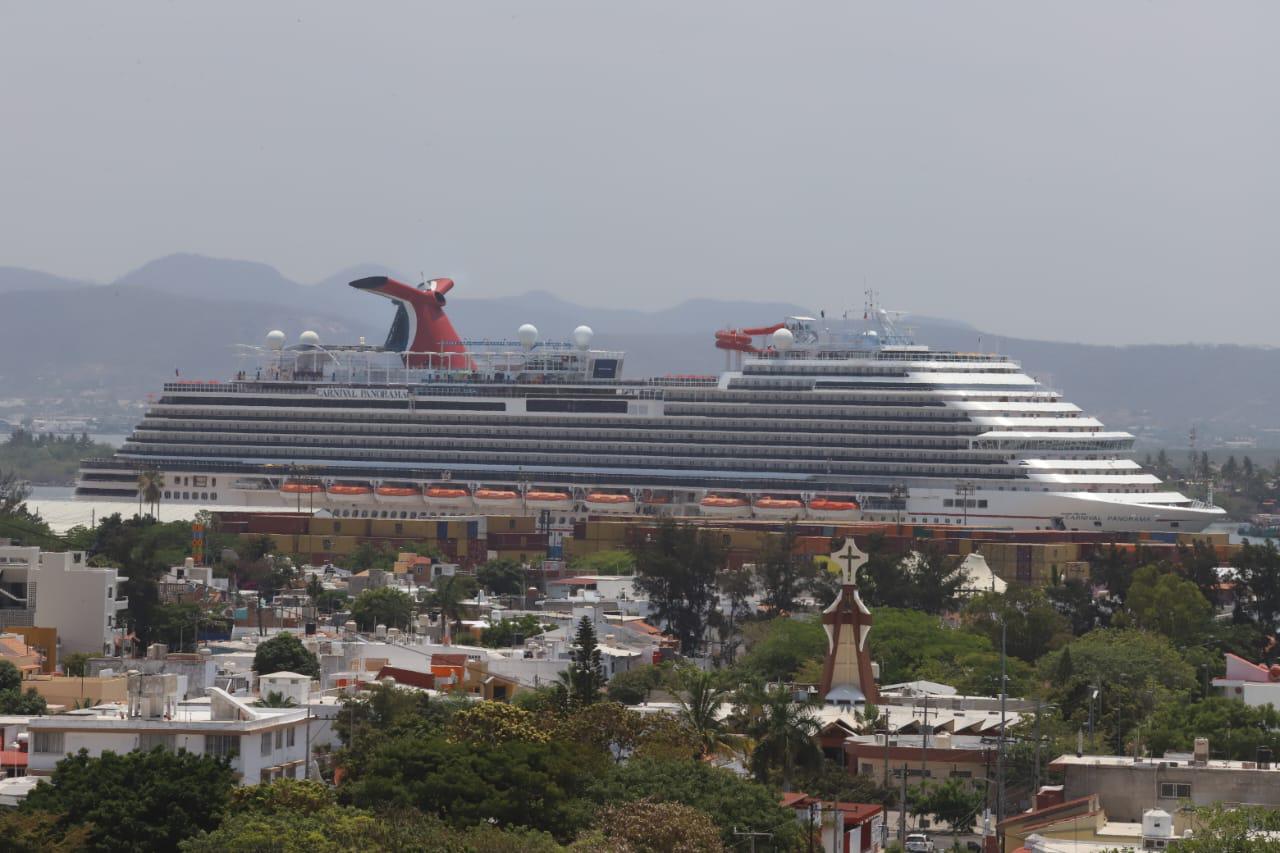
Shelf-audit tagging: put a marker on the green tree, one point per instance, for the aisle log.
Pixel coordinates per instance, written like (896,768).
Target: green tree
(782,574)
(1258,566)
(1034,627)
(955,802)
(925,579)
(291,816)
(733,802)
(382,606)
(1134,672)
(140,801)
(1074,600)
(76,664)
(495,722)
(12,699)
(30,703)
(778,648)
(632,687)
(1239,829)
(449,594)
(150,487)
(285,653)
(784,736)
(513,783)
(910,645)
(1162,601)
(649,826)
(701,695)
(10,676)
(677,568)
(502,577)
(1234,728)
(586,667)
(275,699)
(511,632)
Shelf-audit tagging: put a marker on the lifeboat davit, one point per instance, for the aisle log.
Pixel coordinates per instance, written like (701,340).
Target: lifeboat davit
(447,497)
(725,506)
(351,492)
(609,502)
(548,499)
(397,493)
(830,508)
(495,499)
(767,507)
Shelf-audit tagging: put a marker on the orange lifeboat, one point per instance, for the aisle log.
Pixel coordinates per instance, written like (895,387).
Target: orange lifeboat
(609,502)
(835,509)
(724,505)
(545,499)
(490,499)
(447,496)
(298,487)
(355,492)
(768,507)
(392,493)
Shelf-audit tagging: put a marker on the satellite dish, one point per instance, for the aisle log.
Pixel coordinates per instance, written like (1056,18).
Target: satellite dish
(582,336)
(275,339)
(528,335)
(309,339)
(783,340)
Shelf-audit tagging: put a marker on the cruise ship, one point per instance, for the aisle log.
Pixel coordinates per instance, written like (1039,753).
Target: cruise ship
(850,422)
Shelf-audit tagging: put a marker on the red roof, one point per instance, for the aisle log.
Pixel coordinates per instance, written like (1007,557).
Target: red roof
(448,659)
(409,677)
(793,798)
(576,581)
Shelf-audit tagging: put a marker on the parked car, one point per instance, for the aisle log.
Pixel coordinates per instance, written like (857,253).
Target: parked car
(918,842)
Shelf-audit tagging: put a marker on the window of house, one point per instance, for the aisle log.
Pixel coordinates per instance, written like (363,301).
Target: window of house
(279,738)
(266,743)
(222,746)
(292,736)
(50,742)
(148,741)
(1175,790)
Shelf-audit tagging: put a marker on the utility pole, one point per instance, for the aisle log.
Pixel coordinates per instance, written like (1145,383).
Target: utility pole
(924,742)
(1000,742)
(1035,785)
(902,808)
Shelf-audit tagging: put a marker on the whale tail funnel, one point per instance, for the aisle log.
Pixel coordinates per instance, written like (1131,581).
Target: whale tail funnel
(420,325)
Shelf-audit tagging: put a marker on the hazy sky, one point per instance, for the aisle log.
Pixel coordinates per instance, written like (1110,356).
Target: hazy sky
(1097,171)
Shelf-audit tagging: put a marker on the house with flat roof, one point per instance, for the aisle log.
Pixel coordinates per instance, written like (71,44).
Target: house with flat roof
(1127,787)
(261,743)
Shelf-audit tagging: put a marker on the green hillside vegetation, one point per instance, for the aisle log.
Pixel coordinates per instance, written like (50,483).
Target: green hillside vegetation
(48,460)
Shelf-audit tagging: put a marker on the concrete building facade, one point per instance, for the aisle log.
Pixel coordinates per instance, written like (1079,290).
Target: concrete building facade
(60,590)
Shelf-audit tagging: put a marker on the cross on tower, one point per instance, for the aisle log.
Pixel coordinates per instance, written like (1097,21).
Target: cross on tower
(853,559)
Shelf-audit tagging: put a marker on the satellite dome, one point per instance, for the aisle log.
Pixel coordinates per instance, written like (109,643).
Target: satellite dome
(783,340)
(275,339)
(309,339)
(527,335)
(582,336)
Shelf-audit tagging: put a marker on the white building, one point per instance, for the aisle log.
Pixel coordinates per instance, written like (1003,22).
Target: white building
(59,590)
(261,743)
(1251,683)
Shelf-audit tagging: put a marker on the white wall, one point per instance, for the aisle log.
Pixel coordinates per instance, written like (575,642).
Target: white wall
(79,601)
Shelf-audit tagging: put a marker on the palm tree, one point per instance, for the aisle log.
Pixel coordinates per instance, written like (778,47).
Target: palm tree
(150,483)
(784,734)
(275,700)
(701,695)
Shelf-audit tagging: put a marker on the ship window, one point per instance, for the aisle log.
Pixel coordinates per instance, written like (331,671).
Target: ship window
(982,503)
(166,496)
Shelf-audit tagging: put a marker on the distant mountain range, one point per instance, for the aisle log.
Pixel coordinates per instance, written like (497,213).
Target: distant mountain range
(60,337)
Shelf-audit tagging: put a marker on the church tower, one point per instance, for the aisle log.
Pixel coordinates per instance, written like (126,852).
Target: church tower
(847,676)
